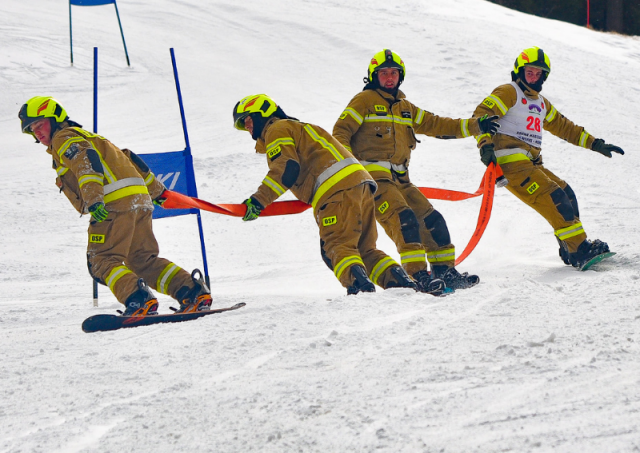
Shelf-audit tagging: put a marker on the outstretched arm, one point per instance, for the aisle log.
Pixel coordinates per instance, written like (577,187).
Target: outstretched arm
(562,127)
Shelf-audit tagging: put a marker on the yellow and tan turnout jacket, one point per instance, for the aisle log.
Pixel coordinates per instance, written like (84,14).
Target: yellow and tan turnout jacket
(381,129)
(307,160)
(91,169)
(511,149)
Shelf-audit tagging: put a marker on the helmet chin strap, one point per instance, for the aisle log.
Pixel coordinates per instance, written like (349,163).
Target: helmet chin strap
(376,85)
(391,91)
(534,88)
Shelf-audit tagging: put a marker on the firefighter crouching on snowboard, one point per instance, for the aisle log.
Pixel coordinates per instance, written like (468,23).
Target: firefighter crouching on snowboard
(116,187)
(378,127)
(517,147)
(307,160)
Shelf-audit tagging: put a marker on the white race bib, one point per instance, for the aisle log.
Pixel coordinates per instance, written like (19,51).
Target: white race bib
(524,120)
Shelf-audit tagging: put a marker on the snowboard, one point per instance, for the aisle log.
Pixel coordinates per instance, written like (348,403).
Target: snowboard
(596,259)
(103,323)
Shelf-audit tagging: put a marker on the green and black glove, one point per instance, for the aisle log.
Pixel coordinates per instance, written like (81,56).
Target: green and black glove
(601,147)
(98,211)
(488,155)
(489,125)
(159,201)
(254,208)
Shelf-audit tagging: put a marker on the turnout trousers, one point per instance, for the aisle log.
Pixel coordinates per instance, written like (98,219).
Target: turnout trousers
(418,230)
(123,249)
(550,196)
(348,236)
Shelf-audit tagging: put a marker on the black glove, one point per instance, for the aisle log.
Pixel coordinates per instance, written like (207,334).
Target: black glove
(254,208)
(601,147)
(488,155)
(489,125)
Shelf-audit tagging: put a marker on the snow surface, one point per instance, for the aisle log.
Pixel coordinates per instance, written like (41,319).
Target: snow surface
(538,357)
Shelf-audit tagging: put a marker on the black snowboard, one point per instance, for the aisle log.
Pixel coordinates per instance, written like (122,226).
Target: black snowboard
(102,323)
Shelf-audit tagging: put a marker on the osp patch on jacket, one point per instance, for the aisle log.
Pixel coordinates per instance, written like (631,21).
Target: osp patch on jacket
(489,103)
(274,153)
(381,110)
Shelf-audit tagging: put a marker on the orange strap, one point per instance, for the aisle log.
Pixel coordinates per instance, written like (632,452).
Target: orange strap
(487,187)
(177,200)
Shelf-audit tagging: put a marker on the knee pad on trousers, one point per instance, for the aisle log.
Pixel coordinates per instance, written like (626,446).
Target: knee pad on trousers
(572,198)
(436,224)
(409,226)
(563,204)
(325,258)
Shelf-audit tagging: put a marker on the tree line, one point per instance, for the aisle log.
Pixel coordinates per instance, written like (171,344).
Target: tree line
(621,16)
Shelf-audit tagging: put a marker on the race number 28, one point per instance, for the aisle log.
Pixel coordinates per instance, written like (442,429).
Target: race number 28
(533,124)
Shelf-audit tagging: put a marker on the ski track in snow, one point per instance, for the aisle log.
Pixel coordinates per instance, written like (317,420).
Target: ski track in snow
(537,358)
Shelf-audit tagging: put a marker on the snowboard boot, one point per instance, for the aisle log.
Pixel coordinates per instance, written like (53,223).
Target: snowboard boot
(454,279)
(563,252)
(401,279)
(427,283)
(362,283)
(587,250)
(196,298)
(142,302)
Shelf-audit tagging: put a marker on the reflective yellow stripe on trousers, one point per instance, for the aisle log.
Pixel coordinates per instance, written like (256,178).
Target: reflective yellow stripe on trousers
(380,267)
(165,277)
(441,256)
(116,274)
(414,256)
(570,231)
(345,263)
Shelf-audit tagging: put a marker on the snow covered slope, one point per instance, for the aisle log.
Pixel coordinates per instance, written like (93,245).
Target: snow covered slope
(538,357)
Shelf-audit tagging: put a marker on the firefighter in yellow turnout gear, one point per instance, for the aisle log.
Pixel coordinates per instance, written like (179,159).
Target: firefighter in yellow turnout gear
(307,160)
(378,127)
(523,114)
(116,187)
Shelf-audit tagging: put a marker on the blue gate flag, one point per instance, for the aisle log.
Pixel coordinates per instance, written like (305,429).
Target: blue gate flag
(175,171)
(91,2)
(96,3)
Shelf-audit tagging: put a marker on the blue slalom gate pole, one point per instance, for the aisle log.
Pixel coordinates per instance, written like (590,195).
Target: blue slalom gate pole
(189,166)
(70,35)
(95,131)
(124,44)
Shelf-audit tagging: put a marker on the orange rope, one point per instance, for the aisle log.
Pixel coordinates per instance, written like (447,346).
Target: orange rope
(177,200)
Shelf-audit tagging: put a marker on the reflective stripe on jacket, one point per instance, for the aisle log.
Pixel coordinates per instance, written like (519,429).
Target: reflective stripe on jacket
(91,169)
(501,100)
(379,129)
(320,165)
